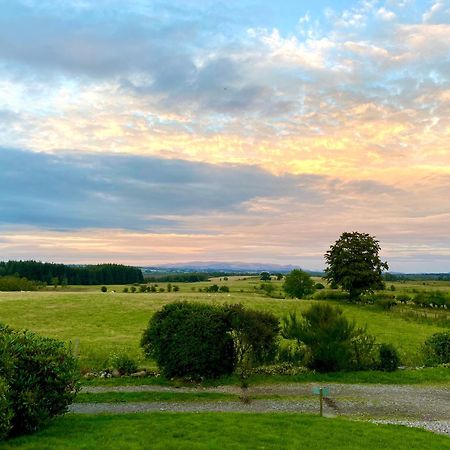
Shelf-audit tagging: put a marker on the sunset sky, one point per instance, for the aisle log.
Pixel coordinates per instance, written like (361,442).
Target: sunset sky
(149,132)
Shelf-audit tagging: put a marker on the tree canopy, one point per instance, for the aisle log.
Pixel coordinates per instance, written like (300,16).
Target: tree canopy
(353,264)
(298,284)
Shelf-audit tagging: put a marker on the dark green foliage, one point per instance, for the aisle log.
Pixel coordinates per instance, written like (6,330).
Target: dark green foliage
(403,298)
(254,334)
(268,288)
(103,288)
(123,363)
(13,283)
(5,410)
(264,276)
(389,359)
(353,263)
(42,377)
(362,350)
(298,283)
(212,288)
(51,273)
(386,303)
(432,299)
(279,276)
(332,341)
(436,349)
(319,286)
(224,289)
(331,295)
(178,277)
(190,340)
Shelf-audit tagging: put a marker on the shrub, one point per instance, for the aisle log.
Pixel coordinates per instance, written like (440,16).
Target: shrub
(290,352)
(5,410)
(403,298)
(326,334)
(123,363)
(190,340)
(389,359)
(254,334)
(42,377)
(319,286)
(362,350)
(386,303)
(436,349)
(104,289)
(212,288)
(331,295)
(125,289)
(224,289)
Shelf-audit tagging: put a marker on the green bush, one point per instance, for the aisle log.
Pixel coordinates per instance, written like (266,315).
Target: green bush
(386,303)
(436,349)
(42,377)
(224,289)
(403,298)
(103,288)
(389,359)
(319,286)
(255,335)
(331,295)
(123,363)
(190,340)
(326,333)
(5,410)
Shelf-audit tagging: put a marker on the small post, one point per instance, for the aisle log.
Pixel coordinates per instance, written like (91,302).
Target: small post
(321,402)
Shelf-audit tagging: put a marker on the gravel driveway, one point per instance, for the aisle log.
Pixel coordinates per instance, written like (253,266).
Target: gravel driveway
(427,407)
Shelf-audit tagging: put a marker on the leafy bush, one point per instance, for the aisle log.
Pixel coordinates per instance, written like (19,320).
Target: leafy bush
(5,410)
(123,363)
(42,377)
(319,286)
(13,283)
(403,298)
(331,295)
(290,352)
(224,289)
(212,288)
(436,349)
(386,303)
(389,359)
(103,288)
(254,334)
(190,340)
(362,350)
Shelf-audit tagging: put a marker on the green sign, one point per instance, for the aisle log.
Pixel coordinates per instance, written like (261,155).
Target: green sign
(325,391)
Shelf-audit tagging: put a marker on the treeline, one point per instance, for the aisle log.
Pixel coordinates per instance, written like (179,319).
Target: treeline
(416,276)
(52,273)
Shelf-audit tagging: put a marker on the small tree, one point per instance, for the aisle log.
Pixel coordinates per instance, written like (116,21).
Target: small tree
(264,276)
(327,335)
(353,263)
(103,288)
(298,284)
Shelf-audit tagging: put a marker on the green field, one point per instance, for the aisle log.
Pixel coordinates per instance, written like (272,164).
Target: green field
(99,324)
(219,431)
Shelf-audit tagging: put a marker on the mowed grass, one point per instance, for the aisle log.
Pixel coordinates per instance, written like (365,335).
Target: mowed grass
(99,324)
(223,431)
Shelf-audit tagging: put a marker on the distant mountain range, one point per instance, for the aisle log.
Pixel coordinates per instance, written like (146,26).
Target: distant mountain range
(218,266)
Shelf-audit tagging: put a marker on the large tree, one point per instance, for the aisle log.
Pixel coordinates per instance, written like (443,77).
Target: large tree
(353,263)
(298,284)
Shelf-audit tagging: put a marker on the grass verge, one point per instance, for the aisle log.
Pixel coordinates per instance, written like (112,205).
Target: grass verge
(219,431)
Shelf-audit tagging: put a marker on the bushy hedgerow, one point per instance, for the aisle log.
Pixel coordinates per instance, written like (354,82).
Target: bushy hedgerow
(5,410)
(190,340)
(41,375)
(123,363)
(436,349)
(199,340)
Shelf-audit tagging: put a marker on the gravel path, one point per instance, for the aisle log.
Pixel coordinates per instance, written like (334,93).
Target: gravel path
(426,407)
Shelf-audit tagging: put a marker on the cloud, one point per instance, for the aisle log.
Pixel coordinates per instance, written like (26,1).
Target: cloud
(117,191)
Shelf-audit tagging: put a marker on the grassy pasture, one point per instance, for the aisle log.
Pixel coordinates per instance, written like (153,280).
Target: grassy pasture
(218,431)
(101,323)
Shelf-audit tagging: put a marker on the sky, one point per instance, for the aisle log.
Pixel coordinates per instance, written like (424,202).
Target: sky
(152,132)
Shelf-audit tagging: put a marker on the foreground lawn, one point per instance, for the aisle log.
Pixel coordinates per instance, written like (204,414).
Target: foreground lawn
(223,431)
(101,323)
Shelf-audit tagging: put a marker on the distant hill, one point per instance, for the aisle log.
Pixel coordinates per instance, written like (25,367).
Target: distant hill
(228,267)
